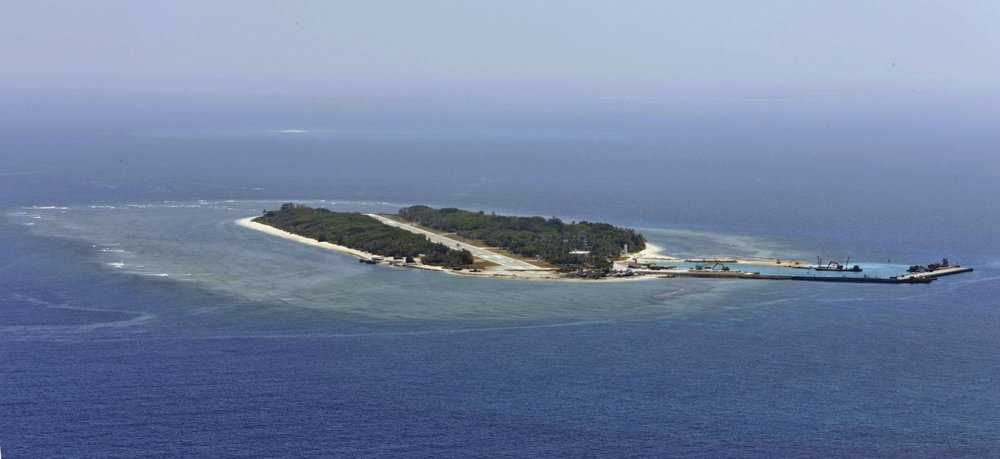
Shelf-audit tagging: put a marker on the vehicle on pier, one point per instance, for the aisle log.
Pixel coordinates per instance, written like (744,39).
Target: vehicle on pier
(836,266)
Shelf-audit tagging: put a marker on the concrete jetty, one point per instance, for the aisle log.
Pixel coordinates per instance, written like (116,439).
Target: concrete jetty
(938,273)
(758,276)
(917,278)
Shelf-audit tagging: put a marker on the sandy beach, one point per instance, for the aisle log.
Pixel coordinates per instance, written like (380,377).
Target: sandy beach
(249,223)
(651,252)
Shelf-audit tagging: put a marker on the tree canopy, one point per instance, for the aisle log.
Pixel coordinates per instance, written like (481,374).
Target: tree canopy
(361,232)
(551,240)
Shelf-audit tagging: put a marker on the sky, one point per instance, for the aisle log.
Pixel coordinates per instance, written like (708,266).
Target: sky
(467,48)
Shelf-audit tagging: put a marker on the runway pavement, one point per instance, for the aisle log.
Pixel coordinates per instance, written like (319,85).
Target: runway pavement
(478,252)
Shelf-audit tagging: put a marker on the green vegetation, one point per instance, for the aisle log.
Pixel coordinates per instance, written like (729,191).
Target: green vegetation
(361,232)
(550,240)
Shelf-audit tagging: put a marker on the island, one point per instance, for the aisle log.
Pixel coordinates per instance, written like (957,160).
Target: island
(477,243)
(461,241)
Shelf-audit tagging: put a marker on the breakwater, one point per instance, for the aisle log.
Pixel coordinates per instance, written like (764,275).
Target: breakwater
(923,278)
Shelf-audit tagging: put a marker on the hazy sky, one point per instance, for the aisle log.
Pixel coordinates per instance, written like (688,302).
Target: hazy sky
(611,48)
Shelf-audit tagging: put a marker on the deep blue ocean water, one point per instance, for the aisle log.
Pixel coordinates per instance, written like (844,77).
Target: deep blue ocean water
(137,320)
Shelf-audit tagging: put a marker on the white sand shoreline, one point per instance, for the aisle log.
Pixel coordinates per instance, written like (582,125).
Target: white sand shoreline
(249,223)
(651,251)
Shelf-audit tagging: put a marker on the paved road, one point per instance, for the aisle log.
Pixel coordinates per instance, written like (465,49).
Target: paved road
(478,252)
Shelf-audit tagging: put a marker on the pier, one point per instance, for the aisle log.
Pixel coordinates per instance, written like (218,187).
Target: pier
(938,273)
(758,276)
(917,278)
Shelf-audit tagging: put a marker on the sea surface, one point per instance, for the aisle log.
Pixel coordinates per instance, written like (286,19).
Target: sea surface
(137,319)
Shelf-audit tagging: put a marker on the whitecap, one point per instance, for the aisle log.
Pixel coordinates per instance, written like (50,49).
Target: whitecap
(140,273)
